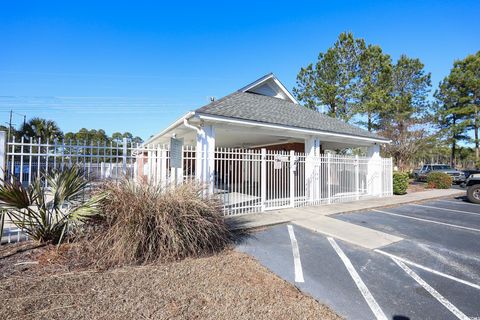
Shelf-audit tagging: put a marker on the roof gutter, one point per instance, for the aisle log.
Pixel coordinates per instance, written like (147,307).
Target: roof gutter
(171,127)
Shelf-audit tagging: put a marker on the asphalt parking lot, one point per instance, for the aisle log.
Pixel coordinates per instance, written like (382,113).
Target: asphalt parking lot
(434,273)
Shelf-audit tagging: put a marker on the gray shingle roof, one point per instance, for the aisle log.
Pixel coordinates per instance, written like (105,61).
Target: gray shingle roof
(255,107)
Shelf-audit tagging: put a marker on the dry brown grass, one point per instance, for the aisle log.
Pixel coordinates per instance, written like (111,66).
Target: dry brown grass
(145,223)
(229,285)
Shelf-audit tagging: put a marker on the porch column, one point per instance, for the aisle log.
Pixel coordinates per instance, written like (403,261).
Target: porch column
(205,156)
(312,171)
(374,170)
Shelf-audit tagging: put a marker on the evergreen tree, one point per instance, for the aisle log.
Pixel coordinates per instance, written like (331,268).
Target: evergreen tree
(333,82)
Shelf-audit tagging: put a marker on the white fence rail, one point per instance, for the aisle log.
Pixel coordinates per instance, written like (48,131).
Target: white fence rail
(247,180)
(259,180)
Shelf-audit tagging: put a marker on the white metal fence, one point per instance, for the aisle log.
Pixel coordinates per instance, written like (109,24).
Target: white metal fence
(247,180)
(260,180)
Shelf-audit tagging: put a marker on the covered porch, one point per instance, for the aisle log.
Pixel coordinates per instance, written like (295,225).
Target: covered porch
(259,149)
(254,168)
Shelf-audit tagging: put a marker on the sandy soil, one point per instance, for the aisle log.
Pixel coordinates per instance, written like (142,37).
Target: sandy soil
(37,284)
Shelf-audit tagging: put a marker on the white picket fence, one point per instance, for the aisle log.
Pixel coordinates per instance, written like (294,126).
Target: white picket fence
(247,180)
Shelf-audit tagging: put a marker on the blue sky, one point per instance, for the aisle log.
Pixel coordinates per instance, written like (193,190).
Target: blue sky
(137,66)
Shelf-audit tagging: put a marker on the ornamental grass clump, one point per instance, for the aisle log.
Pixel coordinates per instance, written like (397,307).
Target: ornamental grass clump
(145,223)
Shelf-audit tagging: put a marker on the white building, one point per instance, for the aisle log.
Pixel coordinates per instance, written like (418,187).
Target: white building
(250,145)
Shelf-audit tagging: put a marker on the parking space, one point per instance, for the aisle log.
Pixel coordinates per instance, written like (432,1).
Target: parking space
(433,274)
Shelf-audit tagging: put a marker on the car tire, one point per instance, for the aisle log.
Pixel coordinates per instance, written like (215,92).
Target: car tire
(473,193)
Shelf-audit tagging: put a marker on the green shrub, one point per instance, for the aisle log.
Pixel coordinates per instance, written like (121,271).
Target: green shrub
(49,214)
(439,180)
(145,223)
(400,182)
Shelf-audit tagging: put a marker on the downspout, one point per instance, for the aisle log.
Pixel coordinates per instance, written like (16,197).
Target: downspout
(199,164)
(191,126)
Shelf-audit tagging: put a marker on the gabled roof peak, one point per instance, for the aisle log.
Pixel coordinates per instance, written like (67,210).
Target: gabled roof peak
(269,85)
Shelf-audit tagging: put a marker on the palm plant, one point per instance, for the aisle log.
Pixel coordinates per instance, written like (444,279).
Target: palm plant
(41,128)
(48,214)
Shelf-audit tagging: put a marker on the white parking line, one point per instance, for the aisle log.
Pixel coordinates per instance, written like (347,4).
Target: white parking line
(473,285)
(459,202)
(445,209)
(296,255)
(459,314)
(372,303)
(426,220)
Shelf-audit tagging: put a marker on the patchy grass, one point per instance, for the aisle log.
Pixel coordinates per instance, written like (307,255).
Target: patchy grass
(229,285)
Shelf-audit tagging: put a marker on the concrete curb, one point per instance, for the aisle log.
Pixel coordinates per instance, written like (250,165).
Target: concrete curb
(270,218)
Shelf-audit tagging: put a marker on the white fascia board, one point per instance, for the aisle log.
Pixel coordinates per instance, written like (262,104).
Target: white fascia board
(277,82)
(170,127)
(285,90)
(290,128)
(256,82)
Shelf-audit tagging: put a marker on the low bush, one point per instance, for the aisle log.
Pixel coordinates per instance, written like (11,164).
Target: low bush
(439,180)
(145,223)
(400,182)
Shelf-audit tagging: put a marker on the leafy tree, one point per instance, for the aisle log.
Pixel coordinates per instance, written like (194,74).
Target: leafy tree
(404,121)
(333,82)
(41,128)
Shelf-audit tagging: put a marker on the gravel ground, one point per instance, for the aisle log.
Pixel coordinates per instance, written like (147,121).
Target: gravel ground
(229,285)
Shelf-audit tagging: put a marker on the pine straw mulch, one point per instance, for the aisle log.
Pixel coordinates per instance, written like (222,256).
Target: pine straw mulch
(43,283)
(416,186)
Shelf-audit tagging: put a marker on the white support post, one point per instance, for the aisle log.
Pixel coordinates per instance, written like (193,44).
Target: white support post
(329,180)
(205,156)
(374,170)
(263,178)
(312,172)
(357,178)
(292,178)
(210,161)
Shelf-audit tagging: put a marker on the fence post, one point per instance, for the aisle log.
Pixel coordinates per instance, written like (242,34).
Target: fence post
(391,177)
(329,182)
(263,178)
(163,166)
(292,178)
(3,154)
(357,177)
(124,156)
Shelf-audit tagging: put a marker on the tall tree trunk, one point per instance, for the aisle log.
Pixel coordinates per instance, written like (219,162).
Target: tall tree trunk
(477,150)
(452,155)
(454,142)
(369,124)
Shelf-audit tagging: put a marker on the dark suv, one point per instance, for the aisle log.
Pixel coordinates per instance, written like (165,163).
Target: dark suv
(457,176)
